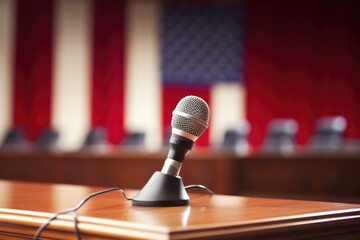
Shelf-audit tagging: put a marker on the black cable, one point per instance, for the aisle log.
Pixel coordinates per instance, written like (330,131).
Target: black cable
(202,187)
(73,210)
(76,227)
(84,200)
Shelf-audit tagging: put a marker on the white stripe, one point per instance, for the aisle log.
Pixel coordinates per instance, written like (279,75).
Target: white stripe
(227,109)
(184,134)
(142,89)
(71,88)
(5,189)
(7,17)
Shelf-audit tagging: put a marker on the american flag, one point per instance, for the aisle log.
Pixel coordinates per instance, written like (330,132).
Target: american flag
(123,65)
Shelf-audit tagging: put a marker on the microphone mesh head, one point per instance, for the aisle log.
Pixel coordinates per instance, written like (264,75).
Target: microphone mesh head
(198,120)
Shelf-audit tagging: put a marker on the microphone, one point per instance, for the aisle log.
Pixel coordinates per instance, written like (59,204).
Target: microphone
(189,121)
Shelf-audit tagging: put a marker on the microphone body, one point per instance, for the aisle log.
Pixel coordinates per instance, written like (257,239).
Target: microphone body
(179,148)
(190,119)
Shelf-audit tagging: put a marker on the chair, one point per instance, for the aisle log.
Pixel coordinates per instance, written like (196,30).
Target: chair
(329,134)
(236,138)
(134,140)
(280,136)
(14,140)
(47,140)
(96,139)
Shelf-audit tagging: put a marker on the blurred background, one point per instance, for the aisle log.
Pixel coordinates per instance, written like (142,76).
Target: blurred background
(280,77)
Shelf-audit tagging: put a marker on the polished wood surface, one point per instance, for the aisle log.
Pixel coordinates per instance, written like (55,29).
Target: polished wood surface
(310,176)
(24,206)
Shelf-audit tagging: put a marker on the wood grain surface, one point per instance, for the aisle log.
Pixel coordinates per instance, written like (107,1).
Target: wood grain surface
(25,206)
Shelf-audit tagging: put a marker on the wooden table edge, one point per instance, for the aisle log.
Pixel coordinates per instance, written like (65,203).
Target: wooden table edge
(111,228)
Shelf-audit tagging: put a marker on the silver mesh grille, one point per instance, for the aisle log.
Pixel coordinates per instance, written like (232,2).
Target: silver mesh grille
(198,109)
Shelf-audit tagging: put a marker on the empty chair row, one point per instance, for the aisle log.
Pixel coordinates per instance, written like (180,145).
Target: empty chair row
(96,139)
(329,134)
(280,137)
(16,140)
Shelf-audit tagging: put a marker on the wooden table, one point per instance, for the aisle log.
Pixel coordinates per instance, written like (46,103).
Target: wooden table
(24,206)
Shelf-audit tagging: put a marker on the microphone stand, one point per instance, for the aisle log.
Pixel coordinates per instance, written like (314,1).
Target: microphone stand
(162,190)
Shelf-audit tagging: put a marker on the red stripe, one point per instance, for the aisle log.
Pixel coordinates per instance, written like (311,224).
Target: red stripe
(172,95)
(302,63)
(33,66)
(108,68)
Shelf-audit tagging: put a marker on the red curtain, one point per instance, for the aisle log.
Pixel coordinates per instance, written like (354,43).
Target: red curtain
(33,66)
(108,68)
(302,62)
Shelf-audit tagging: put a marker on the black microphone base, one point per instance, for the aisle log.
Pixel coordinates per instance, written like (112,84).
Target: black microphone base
(162,190)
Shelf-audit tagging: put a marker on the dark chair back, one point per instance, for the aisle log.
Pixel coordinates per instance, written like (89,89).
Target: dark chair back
(134,140)
(236,138)
(47,140)
(14,139)
(96,139)
(281,136)
(329,134)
